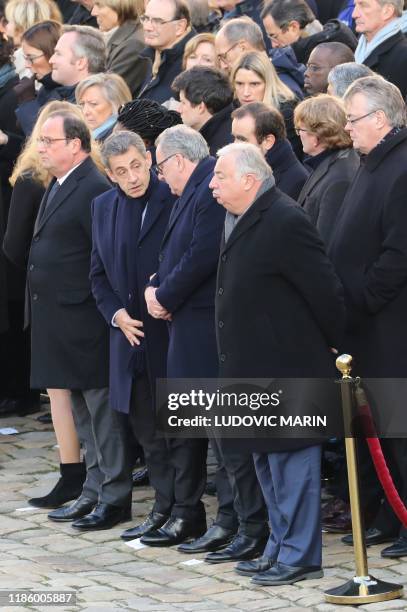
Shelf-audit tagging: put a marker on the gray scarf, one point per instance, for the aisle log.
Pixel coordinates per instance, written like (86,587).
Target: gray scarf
(232,220)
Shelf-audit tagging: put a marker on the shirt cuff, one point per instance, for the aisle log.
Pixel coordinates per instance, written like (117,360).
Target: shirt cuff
(114,316)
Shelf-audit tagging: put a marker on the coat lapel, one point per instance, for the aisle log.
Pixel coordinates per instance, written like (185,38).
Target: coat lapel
(63,192)
(153,211)
(250,218)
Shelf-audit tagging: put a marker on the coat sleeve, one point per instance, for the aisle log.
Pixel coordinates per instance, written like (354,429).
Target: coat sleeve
(200,260)
(329,205)
(129,65)
(387,276)
(306,265)
(24,205)
(107,301)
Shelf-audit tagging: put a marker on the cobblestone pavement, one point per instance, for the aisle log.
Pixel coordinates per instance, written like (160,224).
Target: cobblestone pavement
(107,574)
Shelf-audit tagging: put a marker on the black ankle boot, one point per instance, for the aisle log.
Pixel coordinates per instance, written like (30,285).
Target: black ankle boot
(68,487)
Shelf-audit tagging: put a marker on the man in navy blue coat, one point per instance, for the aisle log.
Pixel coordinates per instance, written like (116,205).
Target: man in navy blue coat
(128,225)
(183,292)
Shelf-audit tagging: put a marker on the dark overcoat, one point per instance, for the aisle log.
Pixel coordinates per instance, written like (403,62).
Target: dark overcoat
(123,55)
(279,304)
(69,337)
(389,60)
(289,173)
(323,193)
(187,276)
(217,131)
(369,252)
(112,282)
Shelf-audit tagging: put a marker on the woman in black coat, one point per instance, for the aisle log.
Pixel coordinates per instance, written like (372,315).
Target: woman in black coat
(320,122)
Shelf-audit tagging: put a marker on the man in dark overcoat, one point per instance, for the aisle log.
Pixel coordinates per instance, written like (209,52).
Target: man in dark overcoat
(128,226)
(182,292)
(69,335)
(369,251)
(279,313)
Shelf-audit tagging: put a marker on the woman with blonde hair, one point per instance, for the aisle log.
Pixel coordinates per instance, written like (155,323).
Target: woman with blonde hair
(30,180)
(320,123)
(255,79)
(119,22)
(21,15)
(100,96)
(200,51)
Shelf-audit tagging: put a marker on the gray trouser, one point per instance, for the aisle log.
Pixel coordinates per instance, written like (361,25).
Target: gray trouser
(108,474)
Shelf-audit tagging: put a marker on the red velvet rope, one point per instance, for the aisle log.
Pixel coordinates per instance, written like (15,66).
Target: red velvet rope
(378,459)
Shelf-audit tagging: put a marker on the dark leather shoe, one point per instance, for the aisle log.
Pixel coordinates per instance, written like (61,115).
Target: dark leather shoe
(81,507)
(250,568)
(45,418)
(155,520)
(396,550)
(241,548)
(215,538)
(174,531)
(333,508)
(342,523)
(280,573)
(140,477)
(372,536)
(103,516)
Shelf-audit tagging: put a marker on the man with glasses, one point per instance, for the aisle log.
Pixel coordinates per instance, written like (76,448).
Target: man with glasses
(291,22)
(183,293)
(128,226)
(69,335)
(368,249)
(167,29)
(323,58)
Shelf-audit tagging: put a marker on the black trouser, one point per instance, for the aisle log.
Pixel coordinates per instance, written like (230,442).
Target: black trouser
(241,502)
(176,467)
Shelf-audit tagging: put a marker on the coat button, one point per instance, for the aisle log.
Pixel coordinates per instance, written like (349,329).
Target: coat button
(223,258)
(36,238)
(35,296)
(221,324)
(129,296)
(222,357)
(220,291)
(31,267)
(160,257)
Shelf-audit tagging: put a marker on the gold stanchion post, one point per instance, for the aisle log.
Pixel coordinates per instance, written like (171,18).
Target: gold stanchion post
(363,588)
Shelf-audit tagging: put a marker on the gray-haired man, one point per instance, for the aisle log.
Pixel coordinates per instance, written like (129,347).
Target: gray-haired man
(127,229)
(275,320)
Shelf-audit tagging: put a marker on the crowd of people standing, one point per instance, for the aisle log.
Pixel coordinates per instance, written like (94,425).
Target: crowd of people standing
(193,190)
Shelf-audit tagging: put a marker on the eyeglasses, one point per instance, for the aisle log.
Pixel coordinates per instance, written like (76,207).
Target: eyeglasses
(30,59)
(224,56)
(299,130)
(314,67)
(47,142)
(275,36)
(158,168)
(352,121)
(157,22)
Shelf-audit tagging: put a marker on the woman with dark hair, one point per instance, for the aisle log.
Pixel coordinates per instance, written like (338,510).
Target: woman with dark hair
(38,45)
(119,21)
(320,123)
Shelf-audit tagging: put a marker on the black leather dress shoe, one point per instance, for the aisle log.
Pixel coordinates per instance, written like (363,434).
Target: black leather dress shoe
(215,538)
(250,568)
(241,548)
(140,477)
(280,573)
(396,550)
(174,531)
(104,516)
(81,507)
(155,520)
(372,536)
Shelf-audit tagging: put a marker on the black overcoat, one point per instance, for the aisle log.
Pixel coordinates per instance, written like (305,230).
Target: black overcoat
(390,59)
(323,193)
(279,305)
(369,252)
(69,337)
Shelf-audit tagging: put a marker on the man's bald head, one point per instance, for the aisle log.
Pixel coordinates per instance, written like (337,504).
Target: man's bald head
(322,59)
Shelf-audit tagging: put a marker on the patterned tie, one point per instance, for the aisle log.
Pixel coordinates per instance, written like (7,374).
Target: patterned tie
(51,194)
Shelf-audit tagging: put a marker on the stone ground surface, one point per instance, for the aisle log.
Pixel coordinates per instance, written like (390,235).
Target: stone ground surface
(107,574)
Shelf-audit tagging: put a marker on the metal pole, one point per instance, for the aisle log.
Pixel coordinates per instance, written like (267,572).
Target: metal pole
(363,588)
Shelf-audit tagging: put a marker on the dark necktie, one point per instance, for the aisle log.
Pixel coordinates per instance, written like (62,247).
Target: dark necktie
(51,195)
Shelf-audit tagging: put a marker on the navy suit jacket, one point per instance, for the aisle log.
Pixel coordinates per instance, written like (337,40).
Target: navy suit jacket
(186,276)
(112,282)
